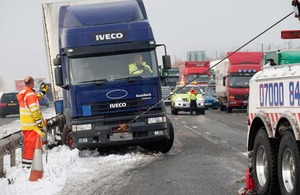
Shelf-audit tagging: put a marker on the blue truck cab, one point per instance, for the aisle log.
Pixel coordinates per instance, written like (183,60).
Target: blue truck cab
(103,105)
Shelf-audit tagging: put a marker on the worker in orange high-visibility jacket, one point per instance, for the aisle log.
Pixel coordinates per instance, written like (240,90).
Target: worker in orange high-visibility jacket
(31,119)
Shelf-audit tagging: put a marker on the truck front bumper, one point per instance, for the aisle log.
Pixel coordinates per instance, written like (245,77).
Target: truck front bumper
(238,104)
(105,135)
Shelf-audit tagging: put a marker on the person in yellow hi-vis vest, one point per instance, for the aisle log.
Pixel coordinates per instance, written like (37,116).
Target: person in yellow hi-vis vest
(31,119)
(193,101)
(139,66)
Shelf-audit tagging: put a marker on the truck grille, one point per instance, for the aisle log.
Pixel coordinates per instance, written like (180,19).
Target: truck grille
(103,107)
(241,97)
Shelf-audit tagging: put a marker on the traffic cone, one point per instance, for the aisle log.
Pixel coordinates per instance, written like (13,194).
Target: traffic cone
(37,163)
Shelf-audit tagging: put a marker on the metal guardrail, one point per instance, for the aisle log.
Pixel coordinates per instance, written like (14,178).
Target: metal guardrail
(8,146)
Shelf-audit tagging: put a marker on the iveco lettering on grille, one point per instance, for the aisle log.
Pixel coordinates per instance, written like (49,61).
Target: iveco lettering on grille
(109,36)
(118,105)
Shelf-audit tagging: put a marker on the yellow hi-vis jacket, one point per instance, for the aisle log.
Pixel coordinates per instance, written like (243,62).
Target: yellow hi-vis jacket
(30,112)
(192,95)
(133,69)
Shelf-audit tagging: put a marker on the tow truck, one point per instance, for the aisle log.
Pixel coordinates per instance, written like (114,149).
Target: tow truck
(273,140)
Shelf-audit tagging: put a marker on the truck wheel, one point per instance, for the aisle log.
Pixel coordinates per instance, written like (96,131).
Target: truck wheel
(229,109)
(161,146)
(66,137)
(222,108)
(166,146)
(289,165)
(264,164)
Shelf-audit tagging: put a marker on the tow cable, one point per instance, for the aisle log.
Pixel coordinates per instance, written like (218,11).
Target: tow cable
(125,127)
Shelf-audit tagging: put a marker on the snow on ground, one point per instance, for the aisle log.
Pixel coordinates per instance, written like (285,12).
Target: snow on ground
(67,173)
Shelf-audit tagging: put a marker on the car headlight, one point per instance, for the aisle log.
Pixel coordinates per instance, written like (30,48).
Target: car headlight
(156,120)
(82,127)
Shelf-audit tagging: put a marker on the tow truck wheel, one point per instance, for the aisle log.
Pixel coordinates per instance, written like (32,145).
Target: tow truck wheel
(66,137)
(289,165)
(264,164)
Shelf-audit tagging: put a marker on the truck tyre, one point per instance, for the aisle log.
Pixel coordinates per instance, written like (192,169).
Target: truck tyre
(167,145)
(264,164)
(229,109)
(289,165)
(66,137)
(161,146)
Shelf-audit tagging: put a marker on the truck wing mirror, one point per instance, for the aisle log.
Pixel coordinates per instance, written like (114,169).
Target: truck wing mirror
(166,61)
(59,78)
(57,60)
(224,81)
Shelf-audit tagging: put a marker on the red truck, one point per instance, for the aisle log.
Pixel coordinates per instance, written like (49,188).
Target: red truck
(196,71)
(232,79)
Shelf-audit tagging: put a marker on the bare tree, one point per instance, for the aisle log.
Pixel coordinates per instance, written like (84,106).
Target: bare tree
(176,63)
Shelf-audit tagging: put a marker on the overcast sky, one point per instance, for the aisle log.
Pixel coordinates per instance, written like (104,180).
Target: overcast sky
(215,26)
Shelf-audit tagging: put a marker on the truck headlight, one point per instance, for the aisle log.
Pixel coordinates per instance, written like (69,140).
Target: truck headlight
(156,120)
(82,127)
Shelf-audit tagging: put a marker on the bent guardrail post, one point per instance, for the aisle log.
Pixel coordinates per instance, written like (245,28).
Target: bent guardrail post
(8,145)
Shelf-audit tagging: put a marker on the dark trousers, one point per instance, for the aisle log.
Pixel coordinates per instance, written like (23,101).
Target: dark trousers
(193,106)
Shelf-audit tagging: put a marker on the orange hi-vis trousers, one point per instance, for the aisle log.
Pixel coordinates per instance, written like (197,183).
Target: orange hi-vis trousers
(29,139)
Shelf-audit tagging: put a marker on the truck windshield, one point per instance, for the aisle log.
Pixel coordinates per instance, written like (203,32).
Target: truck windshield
(202,78)
(113,67)
(239,81)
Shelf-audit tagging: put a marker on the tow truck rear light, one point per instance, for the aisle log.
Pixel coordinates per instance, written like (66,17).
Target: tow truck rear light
(290,34)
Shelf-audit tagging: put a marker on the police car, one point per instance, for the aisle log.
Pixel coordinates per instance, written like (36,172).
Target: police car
(180,100)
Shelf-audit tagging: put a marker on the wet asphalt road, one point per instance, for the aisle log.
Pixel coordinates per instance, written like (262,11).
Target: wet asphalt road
(208,157)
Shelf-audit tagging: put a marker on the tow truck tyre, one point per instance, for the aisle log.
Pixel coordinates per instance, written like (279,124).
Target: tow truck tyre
(289,165)
(264,164)
(66,137)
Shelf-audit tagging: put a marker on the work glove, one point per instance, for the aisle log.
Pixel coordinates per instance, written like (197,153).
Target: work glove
(40,126)
(44,88)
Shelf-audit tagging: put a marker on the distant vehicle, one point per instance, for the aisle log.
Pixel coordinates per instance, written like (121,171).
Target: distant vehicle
(195,72)
(172,77)
(232,79)
(281,57)
(211,101)
(166,91)
(8,104)
(180,101)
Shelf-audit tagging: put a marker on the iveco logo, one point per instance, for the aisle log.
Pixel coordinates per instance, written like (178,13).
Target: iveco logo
(116,94)
(118,105)
(109,36)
